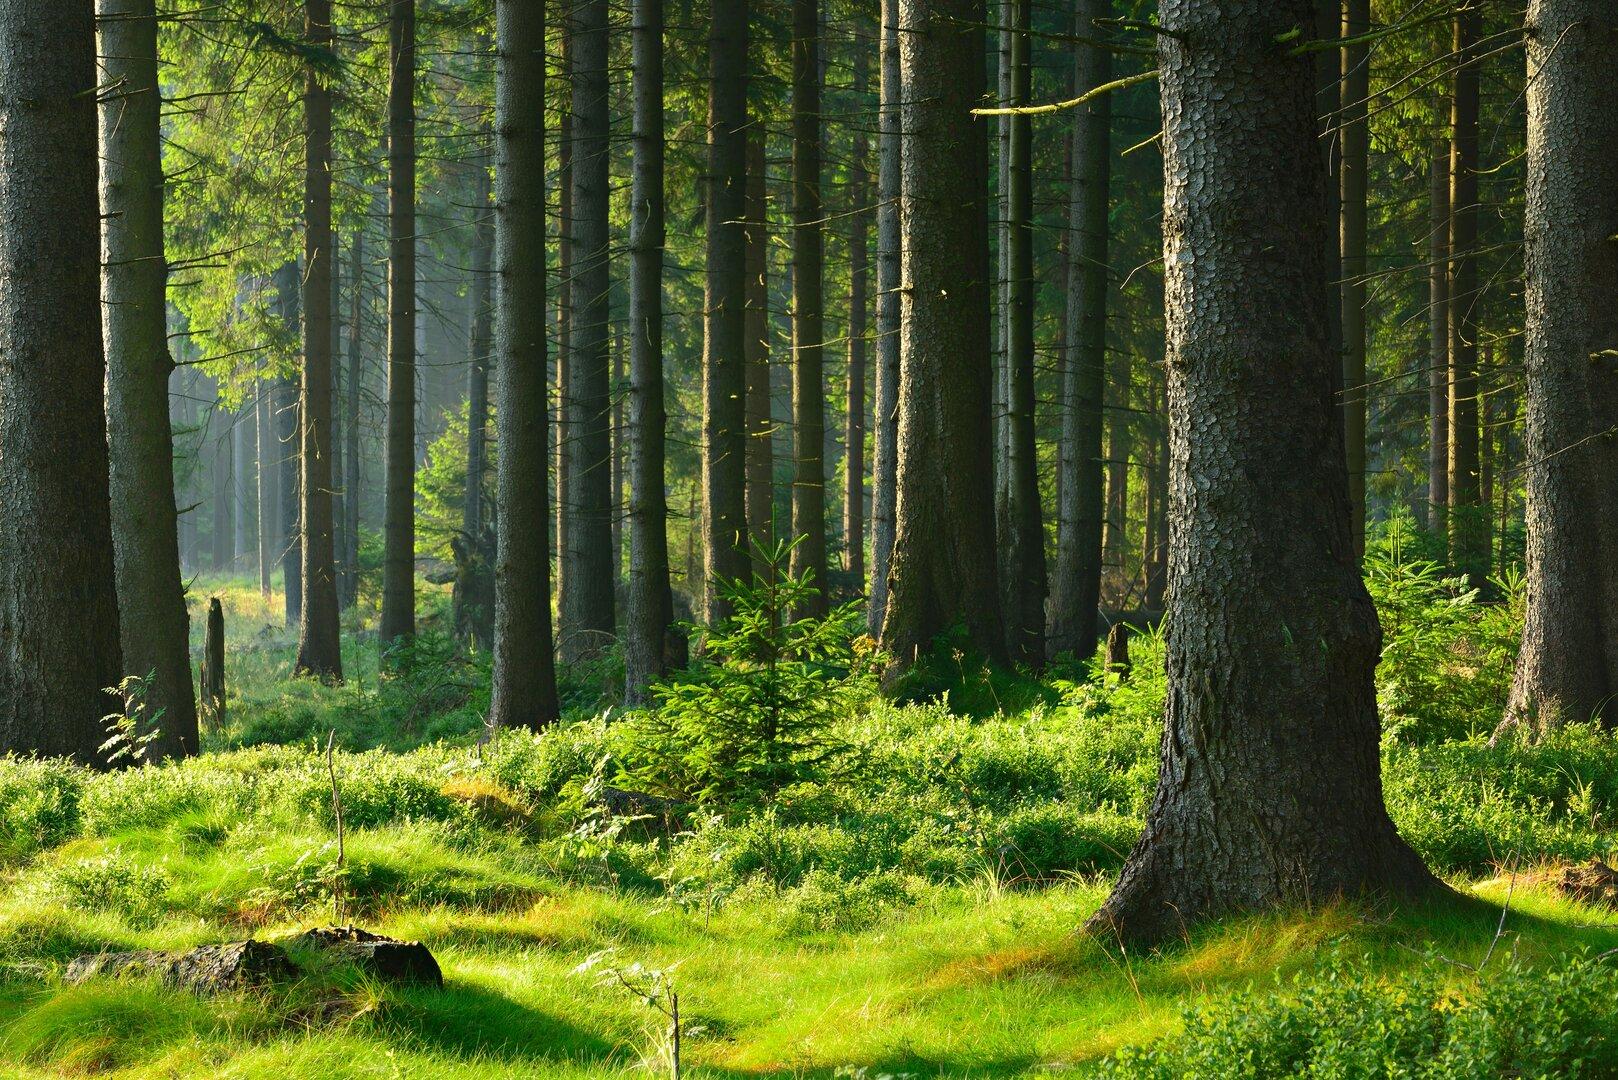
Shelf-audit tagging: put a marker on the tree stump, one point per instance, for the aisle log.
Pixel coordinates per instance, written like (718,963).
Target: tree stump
(1118,650)
(213,666)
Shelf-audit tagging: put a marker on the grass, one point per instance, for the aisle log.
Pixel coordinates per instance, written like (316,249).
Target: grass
(917,918)
(961,985)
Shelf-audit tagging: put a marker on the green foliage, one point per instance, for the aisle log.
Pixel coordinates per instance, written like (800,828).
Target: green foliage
(42,805)
(1446,657)
(1509,1022)
(132,730)
(754,714)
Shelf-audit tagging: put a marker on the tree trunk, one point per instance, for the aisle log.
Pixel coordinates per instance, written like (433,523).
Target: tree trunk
(943,569)
(213,666)
(221,425)
(151,598)
(808,316)
(589,621)
(269,476)
(1438,374)
(1023,585)
(339,425)
(1468,518)
(724,345)
(1079,517)
(58,600)
(289,487)
(319,642)
(884,472)
(1269,790)
(651,603)
(349,579)
(858,275)
(477,369)
(523,692)
(564,340)
(1567,668)
(241,470)
(1354,172)
(1120,445)
(760,423)
(399,523)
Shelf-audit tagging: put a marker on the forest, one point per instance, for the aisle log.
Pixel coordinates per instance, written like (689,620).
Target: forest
(862,539)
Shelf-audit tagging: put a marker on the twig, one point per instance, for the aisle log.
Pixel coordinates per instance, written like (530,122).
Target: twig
(1057,106)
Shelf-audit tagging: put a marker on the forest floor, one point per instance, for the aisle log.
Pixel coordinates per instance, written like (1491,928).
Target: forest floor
(882,927)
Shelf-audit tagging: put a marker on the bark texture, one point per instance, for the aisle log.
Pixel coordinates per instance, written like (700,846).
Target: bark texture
(58,600)
(942,574)
(151,598)
(1567,668)
(399,518)
(858,315)
(1077,591)
(588,618)
(885,420)
(1269,790)
(808,314)
(651,603)
(724,380)
(1022,530)
(320,652)
(523,693)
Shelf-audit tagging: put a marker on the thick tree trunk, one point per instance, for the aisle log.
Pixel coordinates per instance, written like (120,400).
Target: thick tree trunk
(884,472)
(808,315)
(1438,373)
(724,345)
(58,600)
(760,423)
(151,598)
(1354,173)
(319,641)
(858,301)
(589,621)
(1567,668)
(1468,517)
(399,522)
(943,569)
(1269,789)
(1023,585)
(651,603)
(523,692)
(1077,591)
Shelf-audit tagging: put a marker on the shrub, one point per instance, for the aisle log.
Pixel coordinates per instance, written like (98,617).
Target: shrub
(1510,1022)
(42,805)
(114,882)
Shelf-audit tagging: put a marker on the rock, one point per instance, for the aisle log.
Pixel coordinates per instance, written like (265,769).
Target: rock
(1593,882)
(210,969)
(380,957)
(213,969)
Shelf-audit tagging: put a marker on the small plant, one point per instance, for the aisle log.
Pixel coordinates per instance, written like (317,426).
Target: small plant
(130,732)
(655,989)
(754,715)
